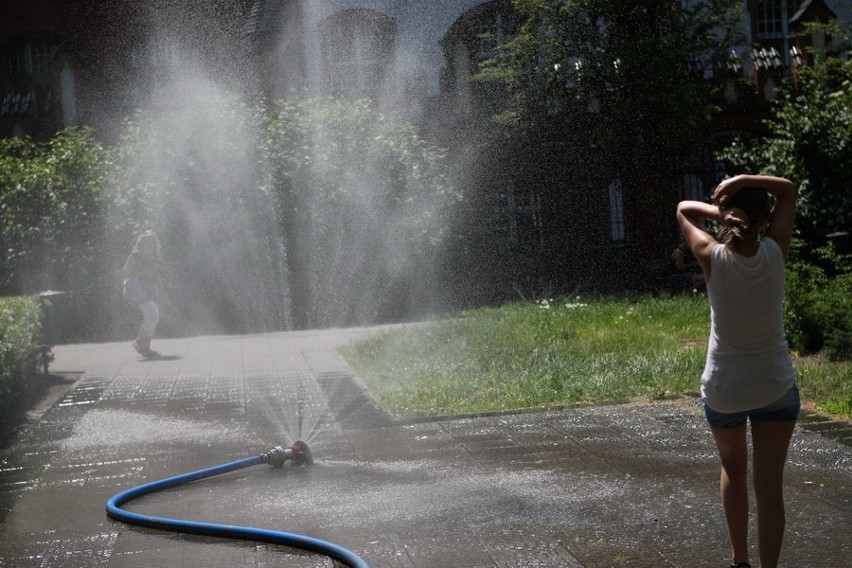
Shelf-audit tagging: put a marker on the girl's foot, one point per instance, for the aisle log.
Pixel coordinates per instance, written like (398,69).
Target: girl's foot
(138,347)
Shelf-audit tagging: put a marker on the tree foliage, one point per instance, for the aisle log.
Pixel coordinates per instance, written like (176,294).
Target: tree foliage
(19,351)
(304,213)
(362,201)
(818,302)
(618,93)
(630,72)
(810,142)
(51,197)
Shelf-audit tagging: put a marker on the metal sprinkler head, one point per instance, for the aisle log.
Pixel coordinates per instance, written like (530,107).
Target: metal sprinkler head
(299,453)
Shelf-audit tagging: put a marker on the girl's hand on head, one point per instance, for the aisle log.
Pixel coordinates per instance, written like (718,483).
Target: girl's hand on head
(733,217)
(726,189)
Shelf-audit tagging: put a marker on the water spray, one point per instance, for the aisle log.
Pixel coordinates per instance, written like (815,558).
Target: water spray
(297,455)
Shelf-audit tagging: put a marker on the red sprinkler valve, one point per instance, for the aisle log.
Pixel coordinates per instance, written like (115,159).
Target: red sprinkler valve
(298,453)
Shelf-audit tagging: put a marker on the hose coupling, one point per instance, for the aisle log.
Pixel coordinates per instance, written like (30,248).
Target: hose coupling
(298,453)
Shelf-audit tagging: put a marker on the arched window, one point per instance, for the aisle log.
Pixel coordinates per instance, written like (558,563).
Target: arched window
(472,39)
(358,50)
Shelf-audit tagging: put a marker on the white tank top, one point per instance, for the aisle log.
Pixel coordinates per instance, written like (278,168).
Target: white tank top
(748,362)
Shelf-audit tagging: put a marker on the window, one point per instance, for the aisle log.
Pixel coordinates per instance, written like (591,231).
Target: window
(357,52)
(19,62)
(690,188)
(42,56)
(472,39)
(618,229)
(771,18)
(522,212)
(33,57)
(29,91)
(488,32)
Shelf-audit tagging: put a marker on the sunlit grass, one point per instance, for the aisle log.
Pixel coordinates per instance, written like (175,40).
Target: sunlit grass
(526,355)
(555,352)
(826,385)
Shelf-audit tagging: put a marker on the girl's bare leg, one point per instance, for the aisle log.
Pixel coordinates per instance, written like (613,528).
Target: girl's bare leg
(733,485)
(770,441)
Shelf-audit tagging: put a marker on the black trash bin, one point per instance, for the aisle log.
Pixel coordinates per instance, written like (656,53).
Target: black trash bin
(55,306)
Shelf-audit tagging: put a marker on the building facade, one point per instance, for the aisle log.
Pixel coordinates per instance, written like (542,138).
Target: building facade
(89,62)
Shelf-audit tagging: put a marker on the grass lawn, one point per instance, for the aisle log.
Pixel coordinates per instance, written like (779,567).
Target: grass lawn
(558,352)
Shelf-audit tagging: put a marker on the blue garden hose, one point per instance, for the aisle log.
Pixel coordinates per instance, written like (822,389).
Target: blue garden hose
(298,453)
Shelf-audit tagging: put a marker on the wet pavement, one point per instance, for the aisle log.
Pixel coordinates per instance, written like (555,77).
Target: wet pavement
(599,486)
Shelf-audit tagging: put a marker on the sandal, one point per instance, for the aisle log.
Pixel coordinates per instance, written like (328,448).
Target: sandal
(741,565)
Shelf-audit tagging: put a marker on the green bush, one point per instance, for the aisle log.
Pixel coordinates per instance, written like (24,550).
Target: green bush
(838,342)
(20,329)
(819,304)
(52,230)
(242,197)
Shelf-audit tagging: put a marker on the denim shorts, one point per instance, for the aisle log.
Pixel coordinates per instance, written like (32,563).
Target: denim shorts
(784,409)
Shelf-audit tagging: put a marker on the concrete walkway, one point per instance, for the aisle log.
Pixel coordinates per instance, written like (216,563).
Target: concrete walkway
(607,486)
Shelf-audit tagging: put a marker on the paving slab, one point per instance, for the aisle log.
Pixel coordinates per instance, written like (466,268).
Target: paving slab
(596,486)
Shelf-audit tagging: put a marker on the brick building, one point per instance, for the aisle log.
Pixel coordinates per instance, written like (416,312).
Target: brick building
(89,62)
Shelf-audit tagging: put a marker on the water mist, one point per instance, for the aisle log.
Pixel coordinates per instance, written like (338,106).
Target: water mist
(302,212)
